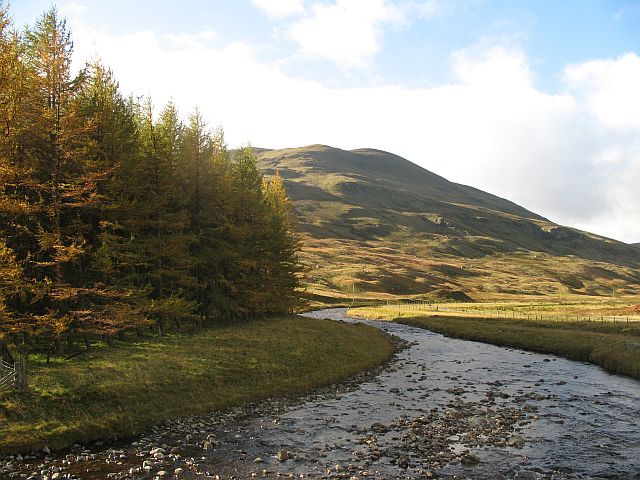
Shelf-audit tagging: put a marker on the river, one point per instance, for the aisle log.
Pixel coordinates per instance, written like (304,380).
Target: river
(443,408)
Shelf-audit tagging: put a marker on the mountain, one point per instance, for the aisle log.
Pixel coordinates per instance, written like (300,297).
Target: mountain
(378,224)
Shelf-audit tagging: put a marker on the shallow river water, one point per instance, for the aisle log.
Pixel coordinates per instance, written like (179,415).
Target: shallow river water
(442,408)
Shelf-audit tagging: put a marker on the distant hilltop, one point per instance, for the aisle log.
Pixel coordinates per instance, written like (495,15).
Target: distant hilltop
(376,221)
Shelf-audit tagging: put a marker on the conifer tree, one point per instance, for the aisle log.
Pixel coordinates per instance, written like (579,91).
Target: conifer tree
(282,262)
(217,245)
(111,218)
(196,155)
(57,137)
(18,191)
(156,220)
(249,232)
(111,141)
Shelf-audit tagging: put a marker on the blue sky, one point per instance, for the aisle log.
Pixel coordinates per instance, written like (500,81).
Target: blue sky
(536,101)
(416,53)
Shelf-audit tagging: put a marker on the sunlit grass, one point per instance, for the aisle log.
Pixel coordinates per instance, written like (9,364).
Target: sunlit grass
(390,269)
(588,309)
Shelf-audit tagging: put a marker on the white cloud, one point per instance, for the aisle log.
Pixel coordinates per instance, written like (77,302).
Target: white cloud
(279,8)
(610,88)
(72,7)
(346,32)
(573,157)
(429,8)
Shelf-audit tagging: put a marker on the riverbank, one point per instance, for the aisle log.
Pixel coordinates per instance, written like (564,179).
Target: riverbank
(116,392)
(614,347)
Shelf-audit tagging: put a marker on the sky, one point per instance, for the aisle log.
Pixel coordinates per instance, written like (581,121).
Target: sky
(536,101)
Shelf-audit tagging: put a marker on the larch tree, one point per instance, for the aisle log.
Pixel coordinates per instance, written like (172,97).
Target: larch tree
(282,261)
(249,232)
(19,193)
(57,134)
(197,150)
(112,218)
(157,221)
(109,307)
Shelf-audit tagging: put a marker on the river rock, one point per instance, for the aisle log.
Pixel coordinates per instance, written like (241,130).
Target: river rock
(283,455)
(379,428)
(403,460)
(516,441)
(469,459)
(208,445)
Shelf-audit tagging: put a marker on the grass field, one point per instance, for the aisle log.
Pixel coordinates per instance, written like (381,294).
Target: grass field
(119,391)
(560,309)
(613,346)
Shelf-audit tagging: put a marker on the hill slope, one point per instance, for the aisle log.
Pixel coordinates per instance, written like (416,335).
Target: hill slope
(375,222)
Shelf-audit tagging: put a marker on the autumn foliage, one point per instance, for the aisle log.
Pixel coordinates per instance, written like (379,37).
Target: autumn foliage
(115,217)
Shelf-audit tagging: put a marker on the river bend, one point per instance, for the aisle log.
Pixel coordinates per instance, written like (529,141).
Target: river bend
(443,408)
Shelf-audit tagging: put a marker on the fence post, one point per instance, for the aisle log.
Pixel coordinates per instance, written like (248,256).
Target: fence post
(21,372)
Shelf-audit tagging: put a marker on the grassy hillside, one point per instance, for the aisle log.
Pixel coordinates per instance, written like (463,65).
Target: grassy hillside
(375,224)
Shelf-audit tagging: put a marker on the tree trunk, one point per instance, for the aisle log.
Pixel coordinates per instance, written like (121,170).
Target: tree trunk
(109,339)
(121,335)
(21,373)
(87,342)
(5,354)
(58,345)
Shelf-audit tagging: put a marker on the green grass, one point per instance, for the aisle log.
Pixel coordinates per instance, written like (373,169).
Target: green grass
(122,390)
(615,347)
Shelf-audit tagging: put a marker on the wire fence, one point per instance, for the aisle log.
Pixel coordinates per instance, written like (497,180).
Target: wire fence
(8,376)
(433,307)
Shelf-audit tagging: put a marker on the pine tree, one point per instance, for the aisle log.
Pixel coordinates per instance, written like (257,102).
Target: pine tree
(18,192)
(282,260)
(195,154)
(57,137)
(216,246)
(108,306)
(249,233)
(155,252)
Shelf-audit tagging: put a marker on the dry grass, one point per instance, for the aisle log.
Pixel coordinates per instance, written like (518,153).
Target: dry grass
(561,309)
(387,270)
